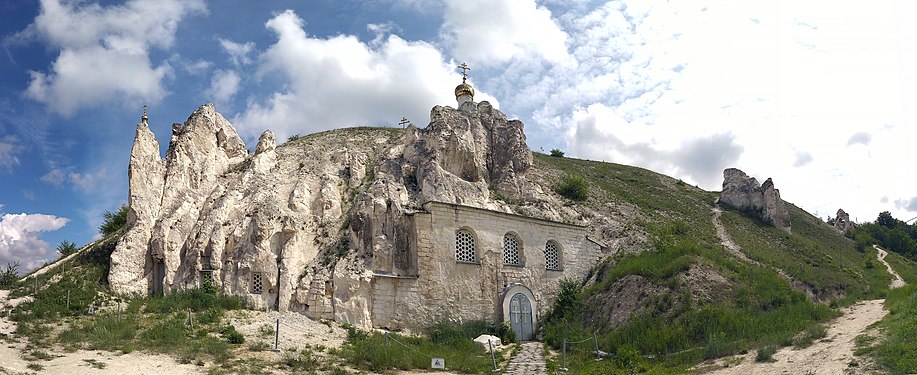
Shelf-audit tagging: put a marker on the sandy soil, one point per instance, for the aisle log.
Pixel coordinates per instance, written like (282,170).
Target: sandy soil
(831,355)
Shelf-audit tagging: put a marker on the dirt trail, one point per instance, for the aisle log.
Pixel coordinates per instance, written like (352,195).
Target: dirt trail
(831,355)
(726,240)
(898,281)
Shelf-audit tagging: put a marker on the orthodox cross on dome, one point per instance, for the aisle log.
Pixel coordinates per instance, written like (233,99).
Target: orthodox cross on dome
(464,67)
(404,122)
(464,92)
(144,118)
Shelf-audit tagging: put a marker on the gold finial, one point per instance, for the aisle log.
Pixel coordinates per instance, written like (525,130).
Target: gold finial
(465,70)
(144,118)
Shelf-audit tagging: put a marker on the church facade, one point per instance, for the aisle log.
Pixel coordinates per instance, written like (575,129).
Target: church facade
(465,263)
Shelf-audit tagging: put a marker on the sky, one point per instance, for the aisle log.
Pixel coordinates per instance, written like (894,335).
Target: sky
(812,94)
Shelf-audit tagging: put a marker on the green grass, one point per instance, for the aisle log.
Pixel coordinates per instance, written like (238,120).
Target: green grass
(160,324)
(814,254)
(376,353)
(897,351)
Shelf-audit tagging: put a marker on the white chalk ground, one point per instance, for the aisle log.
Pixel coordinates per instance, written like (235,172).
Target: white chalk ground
(831,355)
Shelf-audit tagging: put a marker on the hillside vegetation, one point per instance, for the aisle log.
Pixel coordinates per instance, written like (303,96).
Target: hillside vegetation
(687,298)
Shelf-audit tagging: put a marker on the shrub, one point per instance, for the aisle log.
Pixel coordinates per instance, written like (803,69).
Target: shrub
(766,354)
(232,335)
(113,221)
(557,153)
(574,187)
(10,276)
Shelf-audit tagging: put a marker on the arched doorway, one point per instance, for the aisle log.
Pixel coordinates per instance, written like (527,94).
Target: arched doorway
(520,311)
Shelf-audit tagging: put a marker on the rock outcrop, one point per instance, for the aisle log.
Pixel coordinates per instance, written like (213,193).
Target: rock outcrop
(763,200)
(310,220)
(842,221)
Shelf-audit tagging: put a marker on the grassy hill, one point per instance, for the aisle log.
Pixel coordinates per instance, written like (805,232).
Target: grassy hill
(670,297)
(687,298)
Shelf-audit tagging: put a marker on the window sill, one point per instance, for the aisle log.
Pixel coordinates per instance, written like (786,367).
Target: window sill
(554,269)
(464,262)
(514,265)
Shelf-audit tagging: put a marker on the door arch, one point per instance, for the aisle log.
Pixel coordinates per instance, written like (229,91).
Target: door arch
(520,311)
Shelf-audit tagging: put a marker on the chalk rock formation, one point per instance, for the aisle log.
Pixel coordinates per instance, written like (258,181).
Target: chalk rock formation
(842,221)
(310,221)
(744,193)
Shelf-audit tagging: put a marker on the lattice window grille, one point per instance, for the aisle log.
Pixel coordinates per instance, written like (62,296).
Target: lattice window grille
(206,277)
(551,258)
(256,283)
(511,250)
(464,247)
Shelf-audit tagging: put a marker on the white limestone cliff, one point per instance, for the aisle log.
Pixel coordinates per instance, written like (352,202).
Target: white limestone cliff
(311,219)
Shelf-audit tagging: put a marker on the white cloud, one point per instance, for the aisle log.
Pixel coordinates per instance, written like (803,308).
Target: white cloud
(223,86)
(84,181)
(601,134)
(909,205)
(104,51)
(238,52)
(341,82)
(862,138)
(803,158)
(9,147)
(19,240)
(484,32)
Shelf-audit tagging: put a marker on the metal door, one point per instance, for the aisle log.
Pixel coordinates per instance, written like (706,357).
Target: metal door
(159,275)
(520,317)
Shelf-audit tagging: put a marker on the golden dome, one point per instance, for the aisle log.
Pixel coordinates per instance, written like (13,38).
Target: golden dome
(464,89)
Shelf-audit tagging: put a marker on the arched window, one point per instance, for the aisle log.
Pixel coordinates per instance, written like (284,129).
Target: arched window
(464,246)
(552,256)
(511,248)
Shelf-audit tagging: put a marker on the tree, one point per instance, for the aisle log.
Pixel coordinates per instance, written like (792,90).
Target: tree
(66,248)
(886,220)
(113,221)
(10,276)
(557,153)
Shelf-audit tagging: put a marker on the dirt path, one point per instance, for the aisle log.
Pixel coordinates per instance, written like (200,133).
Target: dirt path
(726,240)
(898,281)
(831,355)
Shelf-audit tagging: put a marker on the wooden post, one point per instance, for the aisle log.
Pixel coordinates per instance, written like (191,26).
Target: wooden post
(563,354)
(277,336)
(492,358)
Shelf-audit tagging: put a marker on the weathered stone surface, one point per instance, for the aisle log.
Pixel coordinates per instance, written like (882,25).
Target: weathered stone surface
(327,225)
(842,221)
(146,174)
(744,193)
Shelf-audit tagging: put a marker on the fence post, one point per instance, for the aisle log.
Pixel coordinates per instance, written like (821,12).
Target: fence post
(596,340)
(119,310)
(563,354)
(35,289)
(385,345)
(68,300)
(492,358)
(277,335)
(190,320)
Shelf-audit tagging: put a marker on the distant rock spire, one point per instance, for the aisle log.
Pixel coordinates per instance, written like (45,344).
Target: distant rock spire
(144,118)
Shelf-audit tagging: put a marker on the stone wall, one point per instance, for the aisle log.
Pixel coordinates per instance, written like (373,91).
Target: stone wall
(446,289)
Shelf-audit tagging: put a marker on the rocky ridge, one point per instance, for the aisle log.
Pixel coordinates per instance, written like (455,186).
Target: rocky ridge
(745,193)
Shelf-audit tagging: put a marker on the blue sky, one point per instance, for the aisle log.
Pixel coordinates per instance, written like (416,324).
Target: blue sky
(814,95)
